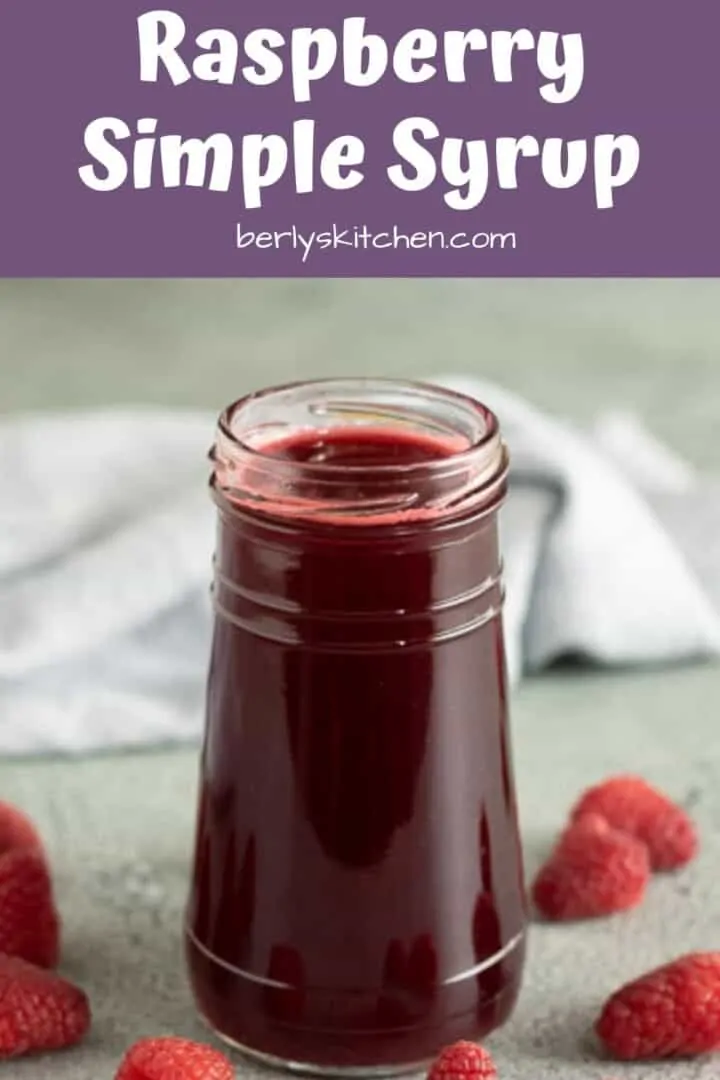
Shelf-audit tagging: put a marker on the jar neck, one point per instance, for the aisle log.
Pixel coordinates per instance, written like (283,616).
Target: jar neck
(359,453)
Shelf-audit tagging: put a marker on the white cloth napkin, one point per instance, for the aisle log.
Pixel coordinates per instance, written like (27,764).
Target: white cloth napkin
(106,537)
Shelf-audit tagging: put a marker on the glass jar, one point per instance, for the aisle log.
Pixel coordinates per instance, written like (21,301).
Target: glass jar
(357,897)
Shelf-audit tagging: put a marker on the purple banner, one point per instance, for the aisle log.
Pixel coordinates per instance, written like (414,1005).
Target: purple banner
(261,139)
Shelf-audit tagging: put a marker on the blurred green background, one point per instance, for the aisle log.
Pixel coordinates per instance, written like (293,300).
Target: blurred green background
(571,346)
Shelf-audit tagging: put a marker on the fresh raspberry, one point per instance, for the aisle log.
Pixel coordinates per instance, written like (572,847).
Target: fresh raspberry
(463,1061)
(39,1011)
(174,1059)
(631,804)
(594,870)
(16,830)
(673,1011)
(29,923)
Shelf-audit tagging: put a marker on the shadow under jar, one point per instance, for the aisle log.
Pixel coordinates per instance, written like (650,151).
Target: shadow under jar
(357,897)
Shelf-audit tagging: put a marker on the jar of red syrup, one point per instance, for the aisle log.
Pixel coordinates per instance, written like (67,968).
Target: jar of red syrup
(357,897)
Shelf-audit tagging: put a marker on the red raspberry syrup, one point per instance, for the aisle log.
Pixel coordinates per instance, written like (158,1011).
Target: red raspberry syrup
(357,893)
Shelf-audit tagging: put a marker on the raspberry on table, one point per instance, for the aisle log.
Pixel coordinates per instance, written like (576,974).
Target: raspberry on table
(463,1061)
(170,1058)
(631,804)
(16,829)
(29,921)
(39,1010)
(673,1011)
(594,870)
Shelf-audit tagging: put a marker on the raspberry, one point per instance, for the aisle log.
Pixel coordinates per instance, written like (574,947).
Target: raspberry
(594,870)
(16,830)
(39,1011)
(673,1011)
(631,804)
(174,1059)
(463,1061)
(29,923)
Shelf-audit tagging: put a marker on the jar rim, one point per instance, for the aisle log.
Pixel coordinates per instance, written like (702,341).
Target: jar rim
(469,474)
(490,437)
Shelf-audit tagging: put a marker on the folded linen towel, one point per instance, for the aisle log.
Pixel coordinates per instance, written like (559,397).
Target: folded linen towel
(106,536)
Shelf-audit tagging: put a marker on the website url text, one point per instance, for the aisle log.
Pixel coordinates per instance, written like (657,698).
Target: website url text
(362,238)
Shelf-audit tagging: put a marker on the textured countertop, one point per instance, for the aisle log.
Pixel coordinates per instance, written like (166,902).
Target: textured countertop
(119,829)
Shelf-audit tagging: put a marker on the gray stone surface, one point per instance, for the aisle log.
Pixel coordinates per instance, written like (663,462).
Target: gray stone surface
(119,829)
